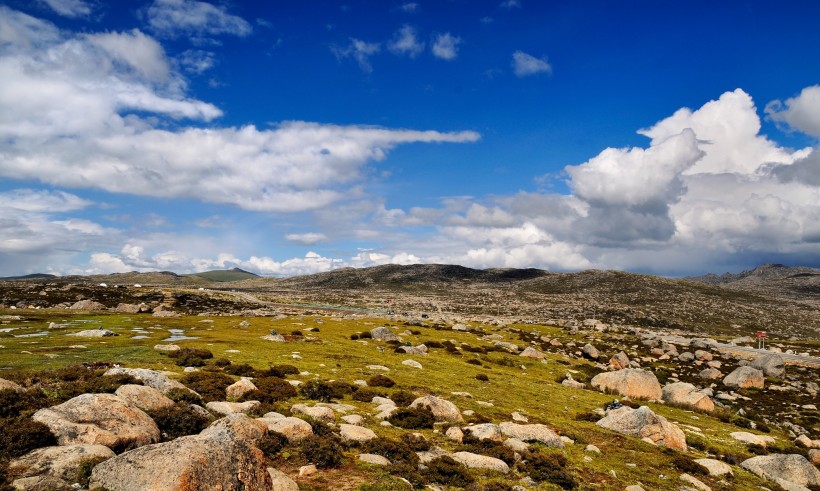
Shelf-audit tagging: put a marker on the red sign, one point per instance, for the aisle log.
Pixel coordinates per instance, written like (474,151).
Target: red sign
(760,334)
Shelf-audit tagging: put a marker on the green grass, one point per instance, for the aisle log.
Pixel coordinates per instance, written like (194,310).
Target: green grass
(331,355)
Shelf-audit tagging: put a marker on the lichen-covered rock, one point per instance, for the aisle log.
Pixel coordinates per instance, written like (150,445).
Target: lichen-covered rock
(710,374)
(643,423)
(143,397)
(224,456)
(752,439)
(102,419)
(476,461)
(716,467)
(373,459)
(793,468)
(485,431)
(530,352)
(87,305)
(687,395)
(239,388)
(294,429)
(531,433)
(316,412)
(590,352)
(281,481)
(353,433)
(151,378)
(771,365)
(9,385)
(619,361)
(54,467)
(629,382)
(442,410)
(93,333)
(745,377)
(225,408)
(384,334)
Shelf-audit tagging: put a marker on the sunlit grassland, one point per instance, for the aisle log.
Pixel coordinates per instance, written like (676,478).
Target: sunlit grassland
(515,383)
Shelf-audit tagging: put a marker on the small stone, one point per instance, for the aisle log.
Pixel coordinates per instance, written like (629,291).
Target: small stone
(373,459)
(307,470)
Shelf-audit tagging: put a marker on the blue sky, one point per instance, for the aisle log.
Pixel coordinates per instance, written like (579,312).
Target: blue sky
(295,137)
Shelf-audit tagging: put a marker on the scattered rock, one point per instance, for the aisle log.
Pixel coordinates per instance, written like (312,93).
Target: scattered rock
(384,334)
(87,305)
(316,412)
(240,388)
(281,481)
(353,419)
(167,347)
(771,365)
(411,363)
(619,361)
(590,352)
(294,429)
(485,431)
(225,408)
(373,459)
(686,357)
(93,333)
(353,433)
(455,434)
(643,423)
(476,461)
(54,467)
(9,385)
(703,355)
(687,395)
(711,374)
(143,397)
(276,338)
(629,382)
(414,350)
(716,467)
(531,433)
(307,470)
(442,410)
(694,482)
(151,378)
(752,439)
(530,352)
(744,377)
(102,419)
(792,468)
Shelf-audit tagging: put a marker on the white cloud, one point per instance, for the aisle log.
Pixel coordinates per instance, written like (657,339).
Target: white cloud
(510,4)
(66,122)
(359,50)
(410,7)
(405,42)
(801,112)
(172,18)
(525,64)
(70,8)
(308,238)
(197,61)
(445,46)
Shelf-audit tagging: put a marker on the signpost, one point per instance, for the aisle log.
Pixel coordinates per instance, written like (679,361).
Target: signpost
(761,339)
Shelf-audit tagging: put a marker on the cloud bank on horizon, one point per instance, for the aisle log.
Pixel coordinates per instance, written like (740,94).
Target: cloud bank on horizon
(110,162)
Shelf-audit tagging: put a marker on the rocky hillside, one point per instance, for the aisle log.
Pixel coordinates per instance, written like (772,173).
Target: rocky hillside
(792,282)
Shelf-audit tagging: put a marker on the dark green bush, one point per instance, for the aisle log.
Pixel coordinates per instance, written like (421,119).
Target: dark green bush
(489,448)
(403,397)
(411,418)
(324,452)
(365,335)
(19,436)
(178,420)
(379,380)
(482,377)
(190,357)
(221,362)
(340,389)
(178,394)
(552,468)
(590,416)
(321,428)
(742,422)
(490,486)
(445,470)
(354,337)
(239,370)
(272,443)
(396,452)
(366,394)
(474,361)
(416,443)
(433,344)
(757,449)
(296,333)
(13,403)
(270,390)
(689,466)
(209,385)
(317,390)
(280,371)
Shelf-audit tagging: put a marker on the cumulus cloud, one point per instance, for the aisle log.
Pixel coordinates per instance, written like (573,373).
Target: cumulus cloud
(197,61)
(68,121)
(801,113)
(525,64)
(406,42)
(359,50)
(70,8)
(445,46)
(173,18)
(410,7)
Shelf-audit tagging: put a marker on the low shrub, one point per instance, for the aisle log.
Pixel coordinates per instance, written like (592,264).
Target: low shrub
(178,394)
(489,448)
(296,333)
(239,370)
(190,357)
(590,416)
(551,468)
(365,335)
(379,380)
(82,473)
(416,443)
(366,394)
(396,452)
(742,423)
(403,397)
(270,390)
(445,470)
(757,449)
(490,486)
(324,452)
(209,385)
(320,428)
(178,420)
(280,371)
(482,377)
(272,443)
(474,361)
(221,362)
(354,337)
(18,436)
(433,344)
(317,390)
(411,418)
(340,389)
(13,403)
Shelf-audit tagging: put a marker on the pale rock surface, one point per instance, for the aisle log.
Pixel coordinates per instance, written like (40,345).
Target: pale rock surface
(476,461)
(54,467)
(771,365)
(225,408)
(531,433)
(94,333)
(694,482)
(87,305)
(103,419)
(629,382)
(688,395)
(752,439)
(353,433)
(793,468)
(716,467)
(485,431)
(384,334)
(9,385)
(455,434)
(530,352)
(281,481)
(295,429)
(411,364)
(240,388)
(316,412)
(353,419)
(442,409)
(643,423)
(710,374)
(744,377)
(619,361)
(151,378)
(143,397)
(373,459)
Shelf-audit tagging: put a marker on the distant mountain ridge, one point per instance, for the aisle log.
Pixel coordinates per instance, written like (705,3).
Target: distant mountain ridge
(793,282)
(226,275)
(35,276)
